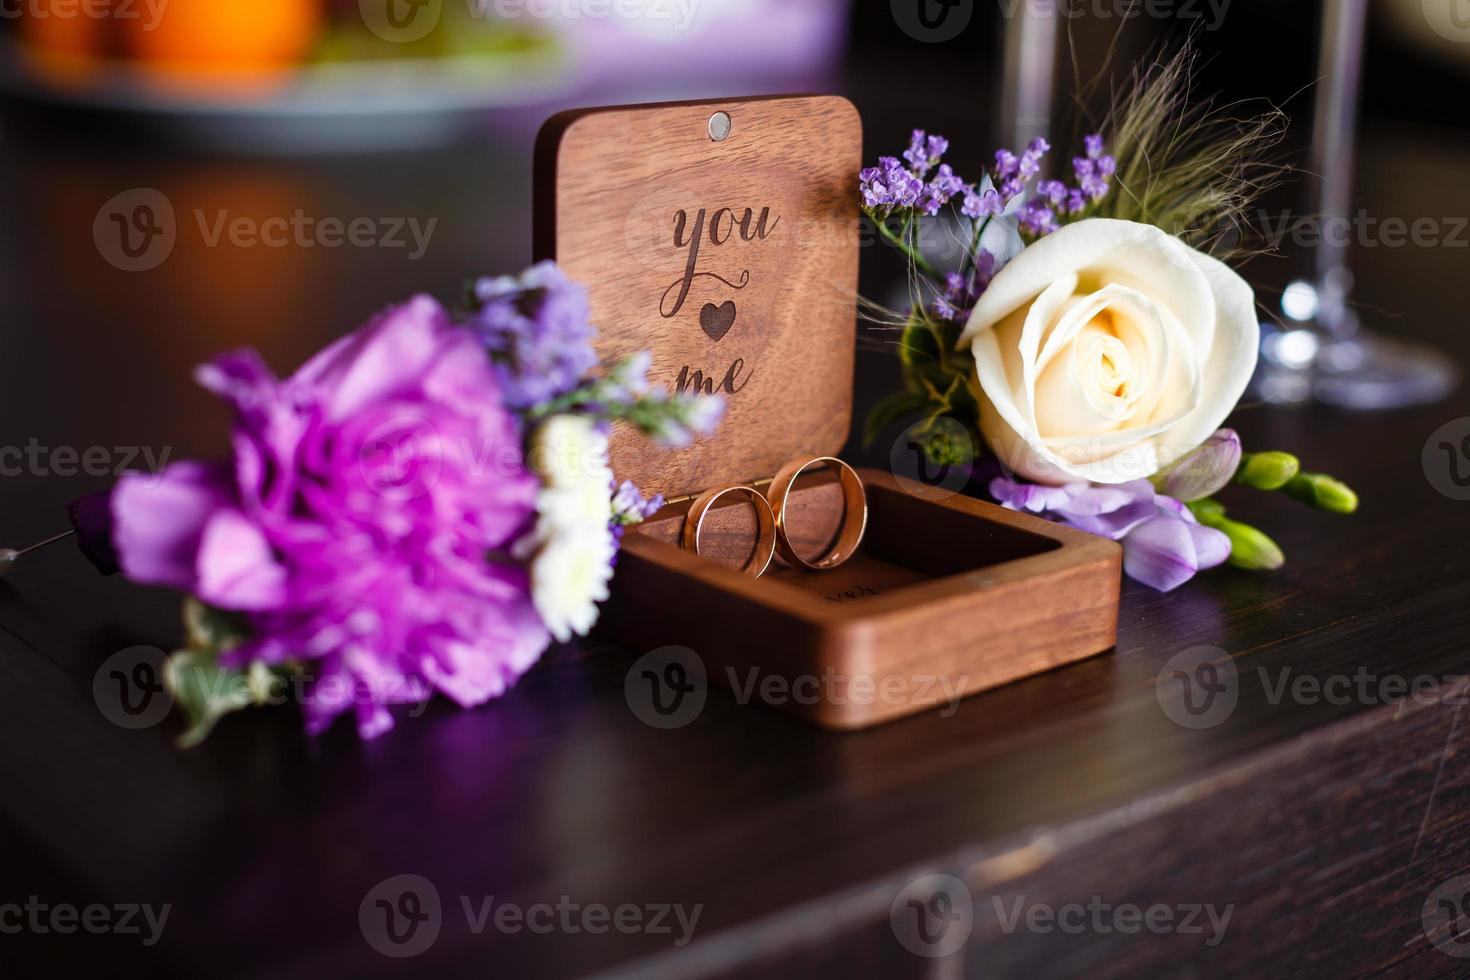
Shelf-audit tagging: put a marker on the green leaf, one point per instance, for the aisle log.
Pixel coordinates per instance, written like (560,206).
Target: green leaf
(209,628)
(889,410)
(205,691)
(203,688)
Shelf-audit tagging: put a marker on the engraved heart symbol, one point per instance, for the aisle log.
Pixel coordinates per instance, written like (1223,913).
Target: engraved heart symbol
(717,320)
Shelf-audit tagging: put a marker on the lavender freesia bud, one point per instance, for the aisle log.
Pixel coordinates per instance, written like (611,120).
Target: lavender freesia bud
(1205,471)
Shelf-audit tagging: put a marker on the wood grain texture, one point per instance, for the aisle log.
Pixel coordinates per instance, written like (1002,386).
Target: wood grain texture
(733,262)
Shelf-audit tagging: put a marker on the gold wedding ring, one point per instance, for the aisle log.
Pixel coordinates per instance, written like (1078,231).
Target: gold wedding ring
(765,542)
(854,513)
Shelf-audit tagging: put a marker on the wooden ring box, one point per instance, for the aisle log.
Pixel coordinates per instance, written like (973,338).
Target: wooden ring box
(728,248)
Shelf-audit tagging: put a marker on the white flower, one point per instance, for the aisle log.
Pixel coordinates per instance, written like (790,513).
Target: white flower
(569,451)
(573,545)
(1107,350)
(569,577)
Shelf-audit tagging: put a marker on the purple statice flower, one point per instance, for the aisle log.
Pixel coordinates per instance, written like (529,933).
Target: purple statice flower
(1030,162)
(1163,545)
(1051,199)
(629,506)
(1037,218)
(1013,173)
(354,528)
(889,185)
(961,292)
(979,204)
(628,380)
(1007,165)
(536,329)
(1093,171)
(925,151)
(940,190)
(1054,191)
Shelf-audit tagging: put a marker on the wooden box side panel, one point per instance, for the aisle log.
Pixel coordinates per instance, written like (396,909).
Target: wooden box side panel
(734,262)
(879,659)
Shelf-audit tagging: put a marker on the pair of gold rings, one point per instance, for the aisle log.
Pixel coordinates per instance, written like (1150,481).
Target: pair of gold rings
(770,512)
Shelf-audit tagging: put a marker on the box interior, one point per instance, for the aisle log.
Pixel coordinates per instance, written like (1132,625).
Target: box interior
(908,541)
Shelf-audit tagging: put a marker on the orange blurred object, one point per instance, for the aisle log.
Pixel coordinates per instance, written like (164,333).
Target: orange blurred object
(226,41)
(63,36)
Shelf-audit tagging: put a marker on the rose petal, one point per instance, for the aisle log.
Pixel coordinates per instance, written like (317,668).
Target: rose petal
(1229,364)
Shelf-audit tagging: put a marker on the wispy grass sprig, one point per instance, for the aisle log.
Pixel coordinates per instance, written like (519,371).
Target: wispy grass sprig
(1194,169)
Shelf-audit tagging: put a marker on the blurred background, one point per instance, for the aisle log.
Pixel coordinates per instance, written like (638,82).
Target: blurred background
(161,123)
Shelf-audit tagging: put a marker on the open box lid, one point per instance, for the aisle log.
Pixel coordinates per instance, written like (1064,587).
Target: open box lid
(722,237)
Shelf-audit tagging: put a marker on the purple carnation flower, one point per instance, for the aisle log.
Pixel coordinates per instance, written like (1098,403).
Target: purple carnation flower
(354,527)
(536,329)
(1163,544)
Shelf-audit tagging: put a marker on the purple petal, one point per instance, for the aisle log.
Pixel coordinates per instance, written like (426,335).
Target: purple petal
(1160,553)
(158,520)
(1108,510)
(1205,470)
(1033,497)
(91,519)
(388,356)
(240,377)
(1175,507)
(1211,547)
(237,569)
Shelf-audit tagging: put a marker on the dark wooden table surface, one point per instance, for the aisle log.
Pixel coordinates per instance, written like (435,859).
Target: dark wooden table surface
(1322,823)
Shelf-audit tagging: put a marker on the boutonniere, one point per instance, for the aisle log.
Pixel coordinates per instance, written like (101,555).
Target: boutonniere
(1094,335)
(420,508)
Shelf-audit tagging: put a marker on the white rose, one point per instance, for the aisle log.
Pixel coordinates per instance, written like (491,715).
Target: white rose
(1107,350)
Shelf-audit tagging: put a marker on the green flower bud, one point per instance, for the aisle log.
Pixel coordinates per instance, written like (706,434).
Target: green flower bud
(1207,510)
(1267,471)
(944,447)
(1249,548)
(1323,492)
